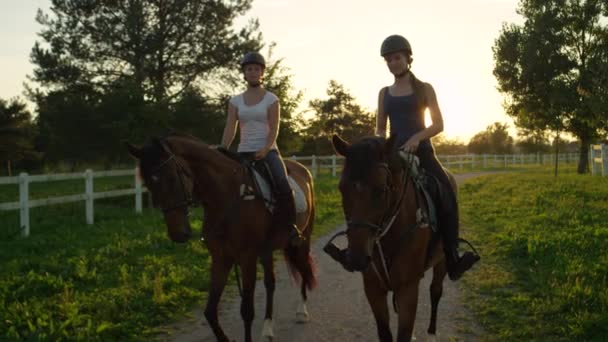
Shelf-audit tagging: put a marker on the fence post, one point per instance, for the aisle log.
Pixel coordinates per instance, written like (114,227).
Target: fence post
(505,159)
(88,176)
(24,208)
(473,162)
(138,192)
(604,160)
(333,165)
(485,160)
(314,166)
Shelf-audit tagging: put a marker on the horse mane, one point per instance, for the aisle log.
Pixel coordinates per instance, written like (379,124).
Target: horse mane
(363,155)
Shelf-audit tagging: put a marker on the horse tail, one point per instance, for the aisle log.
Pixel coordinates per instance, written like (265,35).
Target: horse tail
(301,265)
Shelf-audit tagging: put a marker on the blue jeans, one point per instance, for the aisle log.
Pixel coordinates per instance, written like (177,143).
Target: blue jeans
(279,173)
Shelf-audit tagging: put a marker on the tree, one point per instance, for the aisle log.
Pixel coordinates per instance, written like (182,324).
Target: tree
(106,71)
(495,139)
(533,141)
(340,114)
(552,68)
(16,132)
(444,145)
(278,80)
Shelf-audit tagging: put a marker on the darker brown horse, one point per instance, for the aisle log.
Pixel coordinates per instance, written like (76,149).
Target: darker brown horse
(178,169)
(385,231)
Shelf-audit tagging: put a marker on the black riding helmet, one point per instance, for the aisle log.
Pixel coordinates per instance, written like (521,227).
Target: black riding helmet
(253,58)
(395,43)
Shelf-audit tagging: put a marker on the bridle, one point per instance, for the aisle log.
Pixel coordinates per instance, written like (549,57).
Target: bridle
(182,174)
(381,228)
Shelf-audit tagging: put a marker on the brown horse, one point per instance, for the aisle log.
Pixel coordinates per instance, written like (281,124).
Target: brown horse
(384,231)
(178,169)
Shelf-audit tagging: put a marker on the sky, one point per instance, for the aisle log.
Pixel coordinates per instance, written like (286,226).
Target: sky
(321,40)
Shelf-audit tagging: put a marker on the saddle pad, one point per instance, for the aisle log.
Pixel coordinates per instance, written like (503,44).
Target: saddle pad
(298,193)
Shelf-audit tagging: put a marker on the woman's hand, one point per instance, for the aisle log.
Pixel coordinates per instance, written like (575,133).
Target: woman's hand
(261,154)
(411,145)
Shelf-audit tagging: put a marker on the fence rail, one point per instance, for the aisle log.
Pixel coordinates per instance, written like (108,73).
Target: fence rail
(598,155)
(315,163)
(89,196)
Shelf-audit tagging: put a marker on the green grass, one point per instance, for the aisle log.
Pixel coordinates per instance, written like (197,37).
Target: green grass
(543,274)
(118,279)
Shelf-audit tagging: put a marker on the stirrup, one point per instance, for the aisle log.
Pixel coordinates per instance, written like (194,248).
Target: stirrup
(295,237)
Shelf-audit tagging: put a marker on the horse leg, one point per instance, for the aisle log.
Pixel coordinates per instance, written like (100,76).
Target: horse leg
(376,297)
(269,283)
(305,267)
(439,272)
(248,266)
(407,301)
(220,269)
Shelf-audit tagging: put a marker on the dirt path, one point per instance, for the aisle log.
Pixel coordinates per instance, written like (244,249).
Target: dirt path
(338,308)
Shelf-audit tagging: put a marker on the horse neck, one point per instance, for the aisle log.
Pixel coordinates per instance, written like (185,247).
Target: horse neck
(216,176)
(406,217)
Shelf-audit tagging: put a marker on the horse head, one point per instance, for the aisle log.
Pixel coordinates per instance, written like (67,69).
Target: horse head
(169,180)
(370,185)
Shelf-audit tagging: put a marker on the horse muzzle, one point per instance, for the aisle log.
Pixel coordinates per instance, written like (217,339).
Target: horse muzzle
(181,235)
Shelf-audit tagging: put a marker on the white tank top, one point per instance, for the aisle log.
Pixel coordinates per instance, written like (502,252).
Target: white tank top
(253,122)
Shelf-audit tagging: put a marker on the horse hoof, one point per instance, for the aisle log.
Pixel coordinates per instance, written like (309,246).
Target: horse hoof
(433,337)
(302,317)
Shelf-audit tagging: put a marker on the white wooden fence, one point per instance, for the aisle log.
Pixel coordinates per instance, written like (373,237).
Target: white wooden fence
(25,203)
(315,163)
(598,155)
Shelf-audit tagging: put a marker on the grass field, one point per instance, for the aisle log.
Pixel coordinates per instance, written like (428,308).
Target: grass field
(543,275)
(543,241)
(118,279)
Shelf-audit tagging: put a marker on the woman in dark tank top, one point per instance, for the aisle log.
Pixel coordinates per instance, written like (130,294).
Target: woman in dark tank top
(403,104)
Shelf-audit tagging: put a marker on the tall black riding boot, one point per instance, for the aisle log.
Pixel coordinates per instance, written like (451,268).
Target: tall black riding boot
(286,217)
(456,264)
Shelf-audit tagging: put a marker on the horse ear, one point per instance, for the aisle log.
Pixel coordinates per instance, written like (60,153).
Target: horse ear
(133,150)
(389,146)
(341,146)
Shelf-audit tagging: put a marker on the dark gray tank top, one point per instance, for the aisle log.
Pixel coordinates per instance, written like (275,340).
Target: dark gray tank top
(406,118)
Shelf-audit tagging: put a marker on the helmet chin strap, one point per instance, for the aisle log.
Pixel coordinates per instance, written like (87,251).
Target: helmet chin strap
(404,73)
(254,85)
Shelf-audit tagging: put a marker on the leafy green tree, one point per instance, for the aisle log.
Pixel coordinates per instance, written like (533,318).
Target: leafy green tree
(106,71)
(552,68)
(444,145)
(533,141)
(494,139)
(339,113)
(278,80)
(16,133)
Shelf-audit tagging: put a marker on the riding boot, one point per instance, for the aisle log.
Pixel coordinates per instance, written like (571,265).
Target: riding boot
(338,255)
(286,217)
(456,264)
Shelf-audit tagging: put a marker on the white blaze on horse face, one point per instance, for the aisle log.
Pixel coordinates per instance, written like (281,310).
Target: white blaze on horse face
(302,315)
(267,331)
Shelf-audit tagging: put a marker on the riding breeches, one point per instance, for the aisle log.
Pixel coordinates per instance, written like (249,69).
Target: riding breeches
(447,206)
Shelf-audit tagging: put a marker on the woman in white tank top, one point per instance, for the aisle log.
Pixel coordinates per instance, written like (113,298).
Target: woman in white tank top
(256,111)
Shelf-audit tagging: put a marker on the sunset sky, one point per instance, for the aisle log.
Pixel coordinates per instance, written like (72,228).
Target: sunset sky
(322,40)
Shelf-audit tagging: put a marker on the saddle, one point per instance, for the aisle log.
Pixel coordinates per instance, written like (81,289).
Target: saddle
(262,185)
(428,191)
